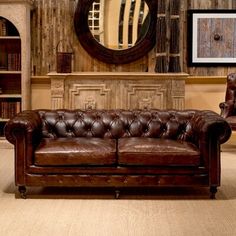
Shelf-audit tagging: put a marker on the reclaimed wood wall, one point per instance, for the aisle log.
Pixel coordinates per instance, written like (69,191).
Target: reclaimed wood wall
(52,21)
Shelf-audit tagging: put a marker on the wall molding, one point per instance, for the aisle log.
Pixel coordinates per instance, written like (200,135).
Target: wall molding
(206,80)
(190,80)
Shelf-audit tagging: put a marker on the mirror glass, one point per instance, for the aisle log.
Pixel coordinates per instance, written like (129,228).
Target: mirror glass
(118,24)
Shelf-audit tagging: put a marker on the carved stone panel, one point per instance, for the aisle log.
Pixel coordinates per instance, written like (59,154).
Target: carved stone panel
(57,93)
(89,96)
(143,94)
(178,94)
(108,90)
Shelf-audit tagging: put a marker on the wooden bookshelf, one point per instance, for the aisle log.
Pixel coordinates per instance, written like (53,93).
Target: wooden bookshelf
(10,72)
(15,56)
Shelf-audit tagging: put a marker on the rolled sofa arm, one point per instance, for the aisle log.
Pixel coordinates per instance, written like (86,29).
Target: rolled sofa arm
(210,124)
(227,108)
(27,123)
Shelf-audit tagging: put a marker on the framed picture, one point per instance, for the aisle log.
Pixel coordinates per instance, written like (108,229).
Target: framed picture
(211,37)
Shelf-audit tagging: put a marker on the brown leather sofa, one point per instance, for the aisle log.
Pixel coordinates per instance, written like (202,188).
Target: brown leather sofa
(117,148)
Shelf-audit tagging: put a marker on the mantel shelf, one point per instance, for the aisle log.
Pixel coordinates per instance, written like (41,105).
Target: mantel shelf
(119,75)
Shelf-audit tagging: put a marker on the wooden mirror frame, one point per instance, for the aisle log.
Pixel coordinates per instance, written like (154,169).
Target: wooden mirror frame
(97,50)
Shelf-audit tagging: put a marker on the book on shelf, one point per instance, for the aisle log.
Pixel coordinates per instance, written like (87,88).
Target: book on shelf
(13,61)
(3,57)
(8,109)
(10,61)
(3,27)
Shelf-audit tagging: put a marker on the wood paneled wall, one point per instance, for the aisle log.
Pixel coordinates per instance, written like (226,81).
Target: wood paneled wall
(52,21)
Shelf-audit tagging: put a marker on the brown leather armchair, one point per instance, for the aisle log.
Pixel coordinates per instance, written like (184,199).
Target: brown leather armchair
(228,108)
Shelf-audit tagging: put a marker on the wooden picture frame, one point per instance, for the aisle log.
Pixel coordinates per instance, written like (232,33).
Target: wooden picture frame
(211,37)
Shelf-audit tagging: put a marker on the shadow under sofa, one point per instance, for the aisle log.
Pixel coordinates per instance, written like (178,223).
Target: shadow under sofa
(117,148)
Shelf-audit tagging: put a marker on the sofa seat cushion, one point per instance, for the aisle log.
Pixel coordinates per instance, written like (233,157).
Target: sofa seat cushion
(159,152)
(75,151)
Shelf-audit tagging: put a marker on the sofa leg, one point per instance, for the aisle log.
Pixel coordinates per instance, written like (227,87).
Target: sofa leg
(22,191)
(117,194)
(213,191)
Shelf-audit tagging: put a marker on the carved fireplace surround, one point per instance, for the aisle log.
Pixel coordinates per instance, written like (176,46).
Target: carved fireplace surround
(111,90)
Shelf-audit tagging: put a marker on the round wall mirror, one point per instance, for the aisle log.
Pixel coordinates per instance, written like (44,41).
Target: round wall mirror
(116,31)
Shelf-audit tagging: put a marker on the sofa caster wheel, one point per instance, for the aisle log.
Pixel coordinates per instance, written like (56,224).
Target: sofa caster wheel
(117,194)
(213,191)
(22,191)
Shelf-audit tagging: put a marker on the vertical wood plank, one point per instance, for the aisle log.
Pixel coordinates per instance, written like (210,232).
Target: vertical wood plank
(185,5)
(233,4)
(228,37)
(174,56)
(161,36)
(204,38)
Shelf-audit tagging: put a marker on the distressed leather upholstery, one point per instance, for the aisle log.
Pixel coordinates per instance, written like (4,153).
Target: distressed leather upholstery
(117,148)
(157,152)
(228,108)
(75,151)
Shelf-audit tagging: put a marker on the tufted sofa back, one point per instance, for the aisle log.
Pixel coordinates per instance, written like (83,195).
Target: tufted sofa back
(170,124)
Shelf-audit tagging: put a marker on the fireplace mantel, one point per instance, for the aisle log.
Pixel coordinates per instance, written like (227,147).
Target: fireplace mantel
(113,90)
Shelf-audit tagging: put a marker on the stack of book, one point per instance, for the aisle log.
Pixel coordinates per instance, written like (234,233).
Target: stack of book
(3,27)
(10,61)
(13,61)
(9,109)
(3,60)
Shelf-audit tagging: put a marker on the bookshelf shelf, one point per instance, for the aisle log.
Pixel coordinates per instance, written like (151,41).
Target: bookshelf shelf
(10,95)
(10,72)
(3,120)
(9,37)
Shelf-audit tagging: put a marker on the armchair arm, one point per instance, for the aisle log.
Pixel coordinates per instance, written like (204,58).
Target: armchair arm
(227,108)
(24,131)
(25,124)
(210,130)
(210,124)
